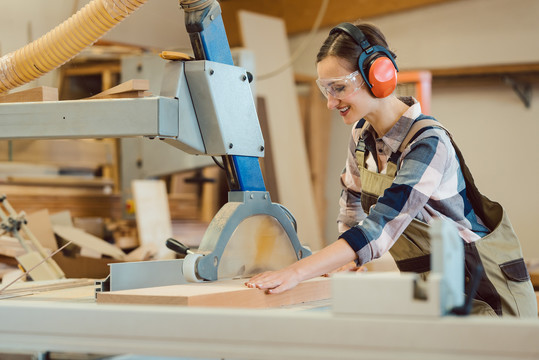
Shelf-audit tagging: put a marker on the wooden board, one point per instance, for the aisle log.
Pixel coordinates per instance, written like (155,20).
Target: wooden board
(42,93)
(80,205)
(134,88)
(225,293)
(152,210)
(11,247)
(266,37)
(30,261)
(88,242)
(40,225)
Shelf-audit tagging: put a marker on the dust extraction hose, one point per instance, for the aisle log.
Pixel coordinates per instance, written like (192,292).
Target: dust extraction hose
(63,42)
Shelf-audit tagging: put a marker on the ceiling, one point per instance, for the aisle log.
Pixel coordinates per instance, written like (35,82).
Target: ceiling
(300,15)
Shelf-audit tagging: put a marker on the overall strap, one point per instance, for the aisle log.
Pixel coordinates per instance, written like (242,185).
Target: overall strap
(421,122)
(360,146)
(472,192)
(362,152)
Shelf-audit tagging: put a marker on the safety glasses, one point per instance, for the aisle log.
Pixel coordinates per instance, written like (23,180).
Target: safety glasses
(340,87)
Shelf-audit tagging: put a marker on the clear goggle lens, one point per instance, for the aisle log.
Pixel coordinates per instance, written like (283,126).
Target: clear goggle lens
(340,87)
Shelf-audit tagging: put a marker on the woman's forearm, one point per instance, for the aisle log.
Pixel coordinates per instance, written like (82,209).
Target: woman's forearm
(324,261)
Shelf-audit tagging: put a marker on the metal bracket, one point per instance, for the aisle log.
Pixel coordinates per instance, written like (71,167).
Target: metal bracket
(522,89)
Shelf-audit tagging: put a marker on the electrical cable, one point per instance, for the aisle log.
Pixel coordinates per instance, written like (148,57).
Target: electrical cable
(301,48)
(218,163)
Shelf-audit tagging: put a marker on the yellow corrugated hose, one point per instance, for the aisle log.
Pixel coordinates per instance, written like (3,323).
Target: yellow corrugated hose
(63,42)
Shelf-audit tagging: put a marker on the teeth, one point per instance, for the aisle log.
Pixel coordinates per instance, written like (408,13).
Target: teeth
(344,109)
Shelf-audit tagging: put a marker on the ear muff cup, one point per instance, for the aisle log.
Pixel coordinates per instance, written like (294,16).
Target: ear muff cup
(383,77)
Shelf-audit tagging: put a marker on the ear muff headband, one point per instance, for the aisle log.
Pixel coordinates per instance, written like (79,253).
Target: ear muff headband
(382,77)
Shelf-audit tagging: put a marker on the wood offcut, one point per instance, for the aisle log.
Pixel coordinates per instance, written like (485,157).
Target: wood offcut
(38,94)
(134,88)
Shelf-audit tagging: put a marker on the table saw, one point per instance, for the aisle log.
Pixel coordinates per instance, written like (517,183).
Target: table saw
(205,107)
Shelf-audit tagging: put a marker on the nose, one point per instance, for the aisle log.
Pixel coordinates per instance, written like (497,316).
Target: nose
(332,102)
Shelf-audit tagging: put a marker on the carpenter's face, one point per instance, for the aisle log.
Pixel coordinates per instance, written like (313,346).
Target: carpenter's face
(343,88)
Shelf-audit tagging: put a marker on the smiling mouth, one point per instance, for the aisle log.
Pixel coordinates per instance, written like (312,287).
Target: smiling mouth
(344,109)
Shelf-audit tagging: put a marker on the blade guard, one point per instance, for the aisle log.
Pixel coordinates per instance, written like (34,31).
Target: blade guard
(242,205)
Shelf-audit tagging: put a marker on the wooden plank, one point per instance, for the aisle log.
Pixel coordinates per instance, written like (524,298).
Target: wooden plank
(30,260)
(63,180)
(78,69)
(486,70)
(152,211)
(11,247)
(267,162)
(42,93)
(40,225)
(87,241)
(318,131)
(128,86)
(210,202)
(80,205)
(224,293)
(534,276)
(266,37)
(122,95)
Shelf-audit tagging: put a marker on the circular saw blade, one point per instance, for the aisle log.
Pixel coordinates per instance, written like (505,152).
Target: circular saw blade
(258,244)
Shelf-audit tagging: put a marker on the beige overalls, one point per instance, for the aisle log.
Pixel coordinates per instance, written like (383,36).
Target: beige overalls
(505,287)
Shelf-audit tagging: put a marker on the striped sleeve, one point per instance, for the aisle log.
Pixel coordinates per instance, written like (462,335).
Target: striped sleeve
(421,171)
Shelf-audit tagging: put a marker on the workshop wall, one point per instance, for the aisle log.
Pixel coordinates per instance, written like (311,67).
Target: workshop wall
(494,129)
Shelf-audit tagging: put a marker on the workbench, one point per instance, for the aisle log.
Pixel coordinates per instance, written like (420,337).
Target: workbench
(69,320)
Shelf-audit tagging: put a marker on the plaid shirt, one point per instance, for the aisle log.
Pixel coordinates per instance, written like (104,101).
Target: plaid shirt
(429,184)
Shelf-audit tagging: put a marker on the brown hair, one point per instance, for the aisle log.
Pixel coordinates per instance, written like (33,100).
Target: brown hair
(342,45)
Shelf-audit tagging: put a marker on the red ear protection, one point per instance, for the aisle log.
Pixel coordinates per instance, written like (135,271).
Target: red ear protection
(383,77)
(379,74)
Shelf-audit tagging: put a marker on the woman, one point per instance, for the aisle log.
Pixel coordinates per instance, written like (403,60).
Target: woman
(402,172)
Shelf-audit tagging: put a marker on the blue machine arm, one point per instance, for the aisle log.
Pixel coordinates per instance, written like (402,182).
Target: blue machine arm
(207,33)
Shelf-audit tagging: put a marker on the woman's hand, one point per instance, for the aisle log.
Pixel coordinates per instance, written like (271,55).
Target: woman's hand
(274,282)
(317,264)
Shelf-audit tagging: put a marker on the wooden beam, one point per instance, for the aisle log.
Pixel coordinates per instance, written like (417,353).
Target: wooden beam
(78,69)
(131,88)
(299,15)
(485,70)
(42,93)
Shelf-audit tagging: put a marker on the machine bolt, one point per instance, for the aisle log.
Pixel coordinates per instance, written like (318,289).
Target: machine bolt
(243,77)
(261,148)
(212,72)
(215,261)
(212,17)
(252,196)
(230,146)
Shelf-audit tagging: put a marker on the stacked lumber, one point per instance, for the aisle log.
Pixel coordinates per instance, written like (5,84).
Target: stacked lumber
(83,205)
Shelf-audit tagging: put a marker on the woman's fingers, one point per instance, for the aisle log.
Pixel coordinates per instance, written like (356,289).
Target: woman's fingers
(274,282)
(265,280)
